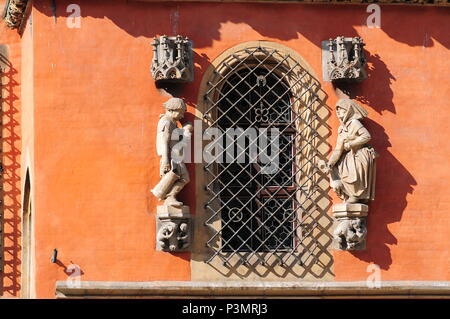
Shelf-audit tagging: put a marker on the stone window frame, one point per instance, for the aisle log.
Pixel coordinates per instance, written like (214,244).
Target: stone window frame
(318,266)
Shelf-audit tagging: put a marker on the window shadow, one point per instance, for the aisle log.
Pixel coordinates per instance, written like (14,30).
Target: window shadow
(393,184)
(10,167)
(375,91)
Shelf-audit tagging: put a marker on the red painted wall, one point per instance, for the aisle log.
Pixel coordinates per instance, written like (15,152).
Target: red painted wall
(96,109)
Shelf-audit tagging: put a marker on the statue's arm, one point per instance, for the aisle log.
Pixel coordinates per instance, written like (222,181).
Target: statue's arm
(337,152)
(362,135)
(163,146)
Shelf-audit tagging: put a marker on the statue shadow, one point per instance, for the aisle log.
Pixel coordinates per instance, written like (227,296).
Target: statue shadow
(394,181)
(375,91)
(181,90)
(393,184)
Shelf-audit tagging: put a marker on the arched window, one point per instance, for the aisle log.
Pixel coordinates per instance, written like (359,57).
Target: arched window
(257,206)
(262,188)
(27,241)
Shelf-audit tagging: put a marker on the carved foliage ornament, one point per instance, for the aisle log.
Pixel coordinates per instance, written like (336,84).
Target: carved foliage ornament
(14,11)
(344,60)
(174,233)
(172,59)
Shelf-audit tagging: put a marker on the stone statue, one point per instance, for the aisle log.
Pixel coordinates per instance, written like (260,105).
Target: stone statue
(352,162)
(183,236)
(352,174)
(166,235)
(173,218)
(172,170)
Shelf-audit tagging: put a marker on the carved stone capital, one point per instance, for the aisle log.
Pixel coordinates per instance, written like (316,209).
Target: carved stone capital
(343,60)
(351,231)
(173,59)
(14,12)
(173,229)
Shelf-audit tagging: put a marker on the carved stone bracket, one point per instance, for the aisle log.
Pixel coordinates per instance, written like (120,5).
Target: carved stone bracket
(173,59)
(343,60)
(173,228)
(350,232)
(14,12)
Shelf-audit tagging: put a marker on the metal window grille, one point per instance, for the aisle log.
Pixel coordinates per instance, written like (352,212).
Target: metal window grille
(267,217)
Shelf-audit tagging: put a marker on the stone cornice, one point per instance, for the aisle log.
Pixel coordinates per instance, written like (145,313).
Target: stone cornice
(15,9)
(439,3)
(14,13)
(248,289)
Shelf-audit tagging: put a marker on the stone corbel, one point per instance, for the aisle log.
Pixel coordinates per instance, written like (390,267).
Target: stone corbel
(173,226)
(343,60)
(173,59)
(14,13)
(350,232)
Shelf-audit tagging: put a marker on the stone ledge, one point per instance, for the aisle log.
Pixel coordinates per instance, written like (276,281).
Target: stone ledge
(180,289)
(437,3)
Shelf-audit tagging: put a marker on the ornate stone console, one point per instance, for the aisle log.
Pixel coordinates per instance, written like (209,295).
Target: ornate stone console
(173,59)
(350,232)
(173,228)
(343,60)
(14,12)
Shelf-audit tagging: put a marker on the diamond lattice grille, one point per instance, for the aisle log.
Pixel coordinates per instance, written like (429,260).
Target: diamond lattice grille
(255,213)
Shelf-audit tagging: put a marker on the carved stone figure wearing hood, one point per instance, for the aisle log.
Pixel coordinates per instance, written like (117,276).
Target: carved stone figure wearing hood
(352,163)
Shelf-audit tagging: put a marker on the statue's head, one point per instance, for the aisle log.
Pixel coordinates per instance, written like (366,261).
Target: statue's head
(168,229)
(359,227)
(175,108)
(347,109)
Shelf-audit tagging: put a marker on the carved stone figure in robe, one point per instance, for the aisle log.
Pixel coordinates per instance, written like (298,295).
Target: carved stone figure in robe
(165,236)
(352,163)
(173,172)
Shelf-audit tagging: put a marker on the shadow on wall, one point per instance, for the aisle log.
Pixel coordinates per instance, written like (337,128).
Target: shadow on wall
(393,184)
(397,182)
(70,270)
(421,26)
(376,90)
(413,26)
(10,142)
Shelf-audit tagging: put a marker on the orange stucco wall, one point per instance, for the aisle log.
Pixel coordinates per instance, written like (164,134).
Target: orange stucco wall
(96,109)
